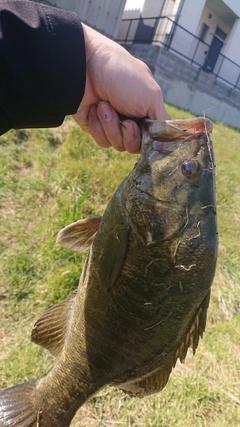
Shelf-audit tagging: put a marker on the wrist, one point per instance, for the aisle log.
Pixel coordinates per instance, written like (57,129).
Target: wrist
(98,54)
(88,35)
(94,44)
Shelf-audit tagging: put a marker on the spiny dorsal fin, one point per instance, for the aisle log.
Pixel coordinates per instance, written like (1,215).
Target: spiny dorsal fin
(196,330)
(79,235)
(50,329)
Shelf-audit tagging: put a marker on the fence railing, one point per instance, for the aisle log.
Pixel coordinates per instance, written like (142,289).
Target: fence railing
(167,33)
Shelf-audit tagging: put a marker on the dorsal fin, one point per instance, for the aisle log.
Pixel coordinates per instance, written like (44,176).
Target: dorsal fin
(79,235)
(156,381)
(50,329)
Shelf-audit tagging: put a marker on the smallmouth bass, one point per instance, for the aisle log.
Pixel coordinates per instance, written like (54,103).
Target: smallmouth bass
(144,290)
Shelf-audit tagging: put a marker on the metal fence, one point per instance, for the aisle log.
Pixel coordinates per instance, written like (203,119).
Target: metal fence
(165,32)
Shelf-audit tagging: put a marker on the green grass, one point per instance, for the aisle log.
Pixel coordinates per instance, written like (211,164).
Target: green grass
(50,178)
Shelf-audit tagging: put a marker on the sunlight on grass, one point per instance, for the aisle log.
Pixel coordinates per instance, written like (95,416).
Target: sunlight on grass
(52,177)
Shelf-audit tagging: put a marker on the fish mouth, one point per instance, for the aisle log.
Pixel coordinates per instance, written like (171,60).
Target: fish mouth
(167,135)
(169,130)
(152,197)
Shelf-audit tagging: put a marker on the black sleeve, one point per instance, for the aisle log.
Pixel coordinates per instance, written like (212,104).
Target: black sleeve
(42,64)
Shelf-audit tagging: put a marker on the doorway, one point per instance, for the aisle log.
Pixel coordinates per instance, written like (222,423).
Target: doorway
(214,50)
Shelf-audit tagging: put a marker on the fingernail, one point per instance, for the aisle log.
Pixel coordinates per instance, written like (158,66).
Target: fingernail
(131,137)
(105,111)
(128,131)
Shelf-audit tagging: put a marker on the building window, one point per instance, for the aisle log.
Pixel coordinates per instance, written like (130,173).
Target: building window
(220,34)
(203,31)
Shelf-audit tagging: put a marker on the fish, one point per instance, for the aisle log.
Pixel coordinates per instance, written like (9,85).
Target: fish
(144,290)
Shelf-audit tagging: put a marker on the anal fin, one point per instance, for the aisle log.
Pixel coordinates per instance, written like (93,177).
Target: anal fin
(156,380)
(50,329)
(195,331)
(150,384)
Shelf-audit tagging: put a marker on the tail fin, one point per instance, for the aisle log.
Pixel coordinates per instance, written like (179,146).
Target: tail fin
(17,407)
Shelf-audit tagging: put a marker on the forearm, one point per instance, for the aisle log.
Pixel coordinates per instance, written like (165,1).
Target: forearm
(43,66)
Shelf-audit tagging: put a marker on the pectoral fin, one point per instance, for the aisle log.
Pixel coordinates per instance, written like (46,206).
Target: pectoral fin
(79,235)
(50,329)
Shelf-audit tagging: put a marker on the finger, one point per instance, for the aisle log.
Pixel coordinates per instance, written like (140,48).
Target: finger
(131,136)
(157,110)
(96,129)
(111,125)
(164,114)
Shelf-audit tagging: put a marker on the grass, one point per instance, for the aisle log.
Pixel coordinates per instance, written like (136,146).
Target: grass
(50,178)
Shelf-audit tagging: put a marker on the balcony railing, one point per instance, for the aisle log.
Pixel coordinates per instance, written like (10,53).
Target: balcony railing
(165,32)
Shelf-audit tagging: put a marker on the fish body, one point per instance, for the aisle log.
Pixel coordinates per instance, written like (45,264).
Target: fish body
(144,291)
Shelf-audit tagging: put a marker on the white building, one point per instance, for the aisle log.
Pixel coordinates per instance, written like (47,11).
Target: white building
(204,32)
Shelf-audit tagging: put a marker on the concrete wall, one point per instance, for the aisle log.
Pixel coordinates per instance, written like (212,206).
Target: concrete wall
(193,90)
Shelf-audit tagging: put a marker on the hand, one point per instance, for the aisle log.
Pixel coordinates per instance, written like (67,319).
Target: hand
(116,82)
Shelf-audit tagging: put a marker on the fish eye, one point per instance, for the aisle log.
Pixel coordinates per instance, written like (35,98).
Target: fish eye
(189,168)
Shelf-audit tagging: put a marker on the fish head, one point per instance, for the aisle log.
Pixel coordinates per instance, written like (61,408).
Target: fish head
(171,192)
